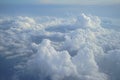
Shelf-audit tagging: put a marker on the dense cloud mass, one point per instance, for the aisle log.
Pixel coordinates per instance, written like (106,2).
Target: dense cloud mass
(54,48)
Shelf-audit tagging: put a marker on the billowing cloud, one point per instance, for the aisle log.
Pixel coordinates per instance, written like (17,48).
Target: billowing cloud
(52,48)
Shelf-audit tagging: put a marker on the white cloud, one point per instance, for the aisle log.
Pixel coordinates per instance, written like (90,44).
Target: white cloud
(76,53)
(53,63)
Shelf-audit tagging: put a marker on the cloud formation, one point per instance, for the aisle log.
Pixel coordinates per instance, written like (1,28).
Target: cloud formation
(51,48)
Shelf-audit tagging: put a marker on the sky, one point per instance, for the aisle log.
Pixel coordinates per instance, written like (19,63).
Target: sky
(80,2)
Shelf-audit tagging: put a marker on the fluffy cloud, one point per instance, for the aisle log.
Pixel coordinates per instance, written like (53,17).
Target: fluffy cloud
(50,48)
(52,63)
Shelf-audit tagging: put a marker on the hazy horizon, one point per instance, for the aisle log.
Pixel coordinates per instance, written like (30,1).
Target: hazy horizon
(60,10)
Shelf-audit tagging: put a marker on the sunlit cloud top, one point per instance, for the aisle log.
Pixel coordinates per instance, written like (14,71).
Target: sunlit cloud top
(80,2)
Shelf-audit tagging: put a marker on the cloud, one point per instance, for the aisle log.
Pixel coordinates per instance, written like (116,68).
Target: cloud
(38,48)
(53,63)
(81,2)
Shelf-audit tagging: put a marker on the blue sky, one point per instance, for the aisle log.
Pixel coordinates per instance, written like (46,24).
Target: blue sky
(81,2)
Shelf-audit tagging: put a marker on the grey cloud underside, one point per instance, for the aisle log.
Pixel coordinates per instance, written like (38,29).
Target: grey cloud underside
(51,48)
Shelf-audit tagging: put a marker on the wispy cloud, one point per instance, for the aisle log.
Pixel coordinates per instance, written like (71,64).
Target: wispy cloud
(81,2)
(73,2)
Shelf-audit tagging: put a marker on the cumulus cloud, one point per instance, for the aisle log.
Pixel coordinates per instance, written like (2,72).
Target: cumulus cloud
(50,48)
(88,21)
(53,63)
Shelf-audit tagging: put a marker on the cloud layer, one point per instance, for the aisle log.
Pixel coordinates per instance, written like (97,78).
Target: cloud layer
(85,2)
(73,2)
(51,48)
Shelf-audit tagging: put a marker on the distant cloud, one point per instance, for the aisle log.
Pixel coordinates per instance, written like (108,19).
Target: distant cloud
(81,2)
